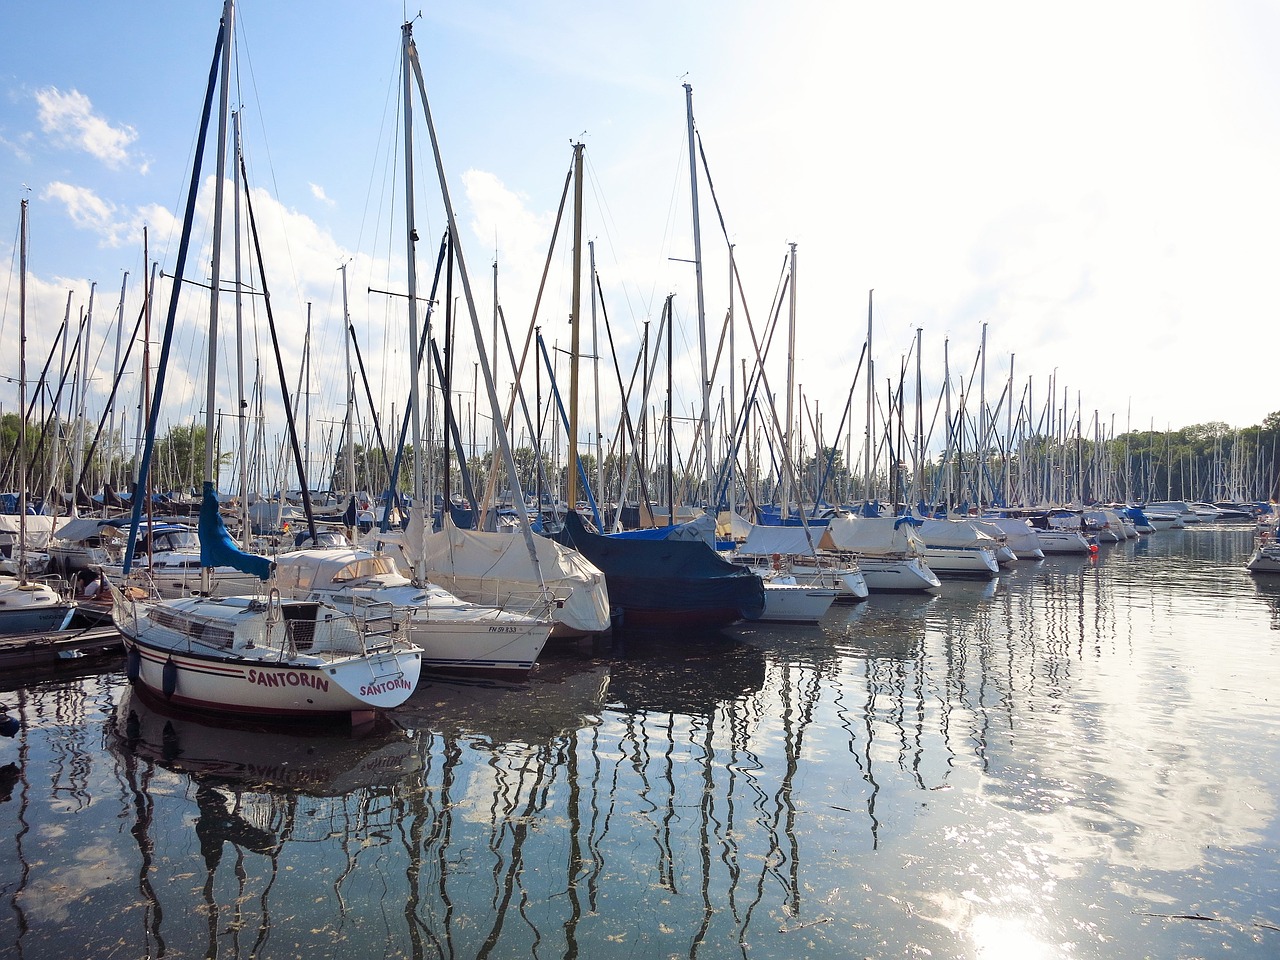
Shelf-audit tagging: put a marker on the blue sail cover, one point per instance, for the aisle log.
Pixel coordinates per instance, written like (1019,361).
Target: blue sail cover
(671,584)
(217,549)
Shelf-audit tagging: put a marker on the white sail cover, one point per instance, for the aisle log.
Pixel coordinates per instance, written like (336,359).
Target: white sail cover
(1021,537)
(955,534)
(788,541)
(494,568)
(872,536)
(39,529)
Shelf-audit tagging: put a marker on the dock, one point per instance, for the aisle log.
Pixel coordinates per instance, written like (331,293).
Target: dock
(44,650)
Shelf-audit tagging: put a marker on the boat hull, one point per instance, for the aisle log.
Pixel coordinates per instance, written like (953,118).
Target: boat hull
(900,575)
(1265,559)
(479,647)
(795,603)
(32,607)
(962,561)
(245,657)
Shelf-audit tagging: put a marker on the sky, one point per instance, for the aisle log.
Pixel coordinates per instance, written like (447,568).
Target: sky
(1094,186)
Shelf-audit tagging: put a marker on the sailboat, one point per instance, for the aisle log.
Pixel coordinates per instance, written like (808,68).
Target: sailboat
(258,655)
(27,606)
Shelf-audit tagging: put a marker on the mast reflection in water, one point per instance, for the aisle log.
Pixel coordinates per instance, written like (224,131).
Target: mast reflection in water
(1077,759)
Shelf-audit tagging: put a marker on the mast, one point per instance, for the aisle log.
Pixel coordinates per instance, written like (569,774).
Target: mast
(595,368)
(82,362)
(215,282)
(789,426)
(917,487)
(733,406)
(242,422)
(702,314)
(113,433)
(411,235)
(350,458)
(982,422)
(22,395)
(871,399)
(220,166)
(411,57)
(571,480)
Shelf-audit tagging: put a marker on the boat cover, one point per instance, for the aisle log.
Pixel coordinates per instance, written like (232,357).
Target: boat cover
(494,567)
(788,541)
(872,536)
(956,534)
(672,581)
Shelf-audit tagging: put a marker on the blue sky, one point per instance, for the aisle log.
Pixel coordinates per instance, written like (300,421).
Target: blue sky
(1095,184)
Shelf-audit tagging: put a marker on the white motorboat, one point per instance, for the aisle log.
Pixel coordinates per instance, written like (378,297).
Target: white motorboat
(1266,552)
(32,606)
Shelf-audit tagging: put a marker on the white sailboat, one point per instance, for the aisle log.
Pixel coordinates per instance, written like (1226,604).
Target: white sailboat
(453,635)
(26,605)
(957,548)
(887,550)
(248,655)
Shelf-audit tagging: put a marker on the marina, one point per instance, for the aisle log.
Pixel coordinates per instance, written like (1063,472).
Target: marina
(1076,758)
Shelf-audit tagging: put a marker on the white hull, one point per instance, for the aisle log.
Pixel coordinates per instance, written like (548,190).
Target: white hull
(895,575)
(244,656)
(32,607)
(1265,559)
(476,645)
(962,561)
(848,582)
(793,603)
(1063,541)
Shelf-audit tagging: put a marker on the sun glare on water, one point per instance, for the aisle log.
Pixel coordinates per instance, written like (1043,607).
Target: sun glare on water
(1009,938)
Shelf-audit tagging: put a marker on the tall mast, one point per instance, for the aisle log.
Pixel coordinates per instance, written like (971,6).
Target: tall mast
(22,396)
(733,407)
(982,422)
(595,368)
(83,364)
(789,426)
(211,395)
(351,395)
(702,314)
(917,488)
(571,481)
(411,238)
(242,412)
(483,362)
(871,399)
(114,445)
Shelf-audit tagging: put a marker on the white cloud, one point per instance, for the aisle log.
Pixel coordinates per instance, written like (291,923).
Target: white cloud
(70,119)
(115,227)
(317,191)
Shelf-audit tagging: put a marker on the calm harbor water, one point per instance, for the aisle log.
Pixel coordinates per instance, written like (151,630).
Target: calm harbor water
(1080,759)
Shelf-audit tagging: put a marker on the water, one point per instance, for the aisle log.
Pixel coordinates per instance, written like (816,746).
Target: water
(1078,760)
